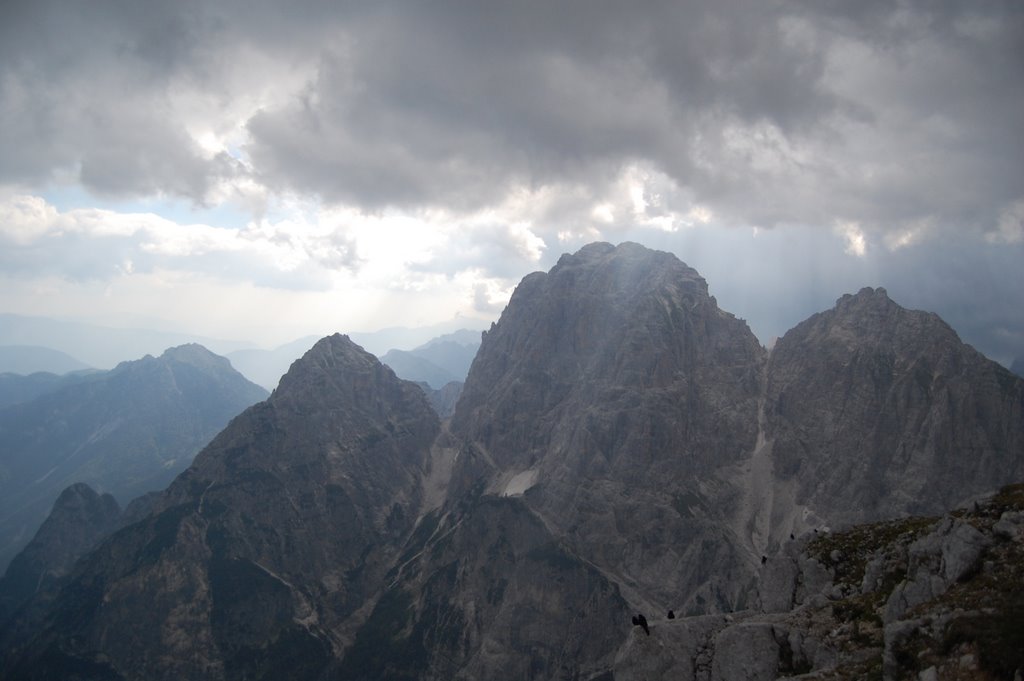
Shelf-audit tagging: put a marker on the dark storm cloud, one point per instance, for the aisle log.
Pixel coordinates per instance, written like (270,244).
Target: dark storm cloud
(106,90)
(770,113)
(455,102)
(767,112)
(84,88)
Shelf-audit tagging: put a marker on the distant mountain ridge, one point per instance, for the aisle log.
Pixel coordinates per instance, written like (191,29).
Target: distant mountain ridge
(621,446)
(18,388)
(126,431)
(96,345)
(439,361)
(266,367)
(30,359)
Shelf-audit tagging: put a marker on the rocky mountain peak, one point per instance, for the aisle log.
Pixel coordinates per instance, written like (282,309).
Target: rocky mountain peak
(196,355)
(79,517)
(334,355)
(281,531)
(871,321)
(868,306)
(612,315)
(624,271)
(866,303)
(338,376)
(880,410)
(866,296)
(79,497)
(615,370)
(336,400)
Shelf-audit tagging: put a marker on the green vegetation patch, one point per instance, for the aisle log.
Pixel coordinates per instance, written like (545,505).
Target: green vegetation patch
(1009,498)
(857,545)
(985,612)
(992,603)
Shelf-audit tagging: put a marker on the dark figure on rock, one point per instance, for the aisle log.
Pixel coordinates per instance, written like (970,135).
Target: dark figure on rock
(641,621)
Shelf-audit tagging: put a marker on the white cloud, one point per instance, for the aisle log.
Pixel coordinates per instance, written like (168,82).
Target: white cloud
(908,235)
(1010,228)
(856,241)
(489,296)
(23,219)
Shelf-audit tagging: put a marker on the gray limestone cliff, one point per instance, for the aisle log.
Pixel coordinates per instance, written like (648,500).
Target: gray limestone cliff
(876,411)
(610,393)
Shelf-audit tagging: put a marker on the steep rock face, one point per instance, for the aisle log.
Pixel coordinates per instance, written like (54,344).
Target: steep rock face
(79,519)
(877,411)
(488,593)
(127,431)
(612,388)
(255,562)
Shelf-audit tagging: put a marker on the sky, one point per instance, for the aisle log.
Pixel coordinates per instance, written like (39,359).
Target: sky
(264,170)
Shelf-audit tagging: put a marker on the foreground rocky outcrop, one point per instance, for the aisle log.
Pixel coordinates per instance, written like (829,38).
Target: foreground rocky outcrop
(916,598)
(621,447)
